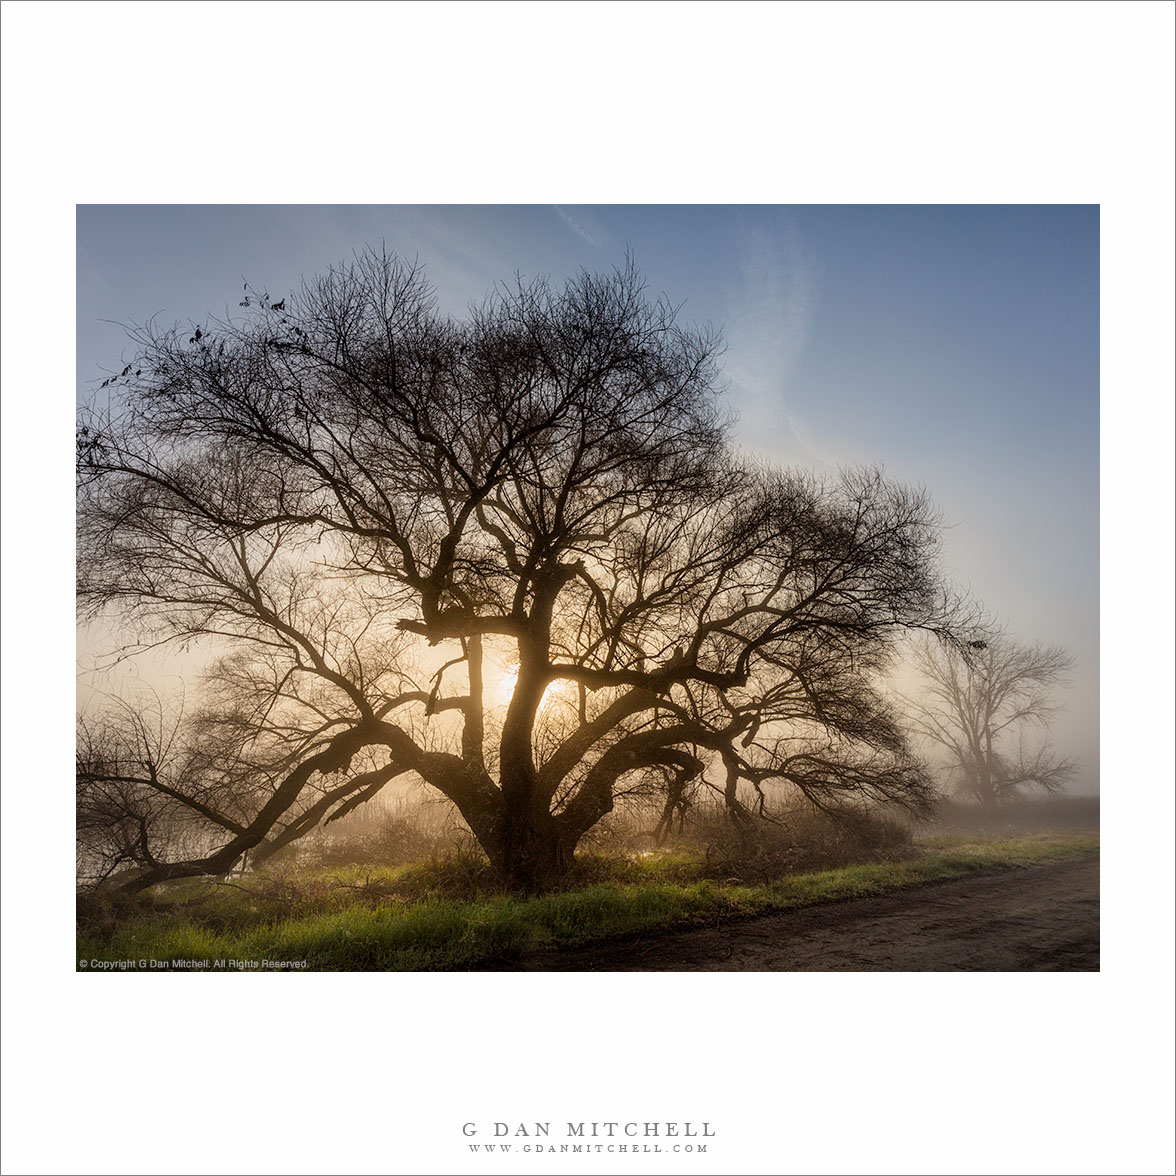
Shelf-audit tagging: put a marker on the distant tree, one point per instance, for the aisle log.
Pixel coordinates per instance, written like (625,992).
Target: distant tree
(514,557)
(988,710)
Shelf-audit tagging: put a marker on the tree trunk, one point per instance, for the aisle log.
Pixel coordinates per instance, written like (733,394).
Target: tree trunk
(532,853)
(526,847)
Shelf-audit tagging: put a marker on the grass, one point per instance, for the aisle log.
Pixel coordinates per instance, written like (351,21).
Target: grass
(444,916)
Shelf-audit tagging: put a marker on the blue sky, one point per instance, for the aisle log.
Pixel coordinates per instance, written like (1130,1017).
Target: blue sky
(957,345)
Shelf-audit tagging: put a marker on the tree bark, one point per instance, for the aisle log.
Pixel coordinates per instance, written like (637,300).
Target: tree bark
(534,851)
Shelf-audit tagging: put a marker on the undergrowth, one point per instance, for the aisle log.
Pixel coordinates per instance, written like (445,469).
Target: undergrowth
(448,913)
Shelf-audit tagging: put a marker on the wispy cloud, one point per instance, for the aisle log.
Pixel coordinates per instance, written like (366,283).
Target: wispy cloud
(768,320)
(583,222)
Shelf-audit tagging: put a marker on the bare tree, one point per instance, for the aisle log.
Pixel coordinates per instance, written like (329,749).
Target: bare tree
(513,556)
(139,786)
(989,713)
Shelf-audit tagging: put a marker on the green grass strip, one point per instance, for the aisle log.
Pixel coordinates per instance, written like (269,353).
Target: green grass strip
(323,928)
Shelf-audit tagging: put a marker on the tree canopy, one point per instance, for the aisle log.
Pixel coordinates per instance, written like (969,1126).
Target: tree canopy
(516,556)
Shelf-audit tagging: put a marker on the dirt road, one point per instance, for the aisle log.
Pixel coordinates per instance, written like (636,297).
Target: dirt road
(1043,919)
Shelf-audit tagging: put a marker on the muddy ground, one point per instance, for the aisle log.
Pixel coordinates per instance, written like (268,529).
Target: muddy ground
(1044,919)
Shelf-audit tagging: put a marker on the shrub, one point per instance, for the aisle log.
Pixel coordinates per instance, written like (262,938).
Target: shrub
(1020,816)
(395,834)
(802,840)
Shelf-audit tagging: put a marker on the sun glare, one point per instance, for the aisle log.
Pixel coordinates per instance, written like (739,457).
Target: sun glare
(507,682)
(502,680)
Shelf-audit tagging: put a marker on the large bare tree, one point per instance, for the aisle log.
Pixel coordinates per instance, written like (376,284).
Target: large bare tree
(988,714)
(514,556)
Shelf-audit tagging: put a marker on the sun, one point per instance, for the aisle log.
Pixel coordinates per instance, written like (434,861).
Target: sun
(500,683)
(507,681)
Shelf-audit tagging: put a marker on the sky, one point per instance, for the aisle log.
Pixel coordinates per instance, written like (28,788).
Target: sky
(956,345)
